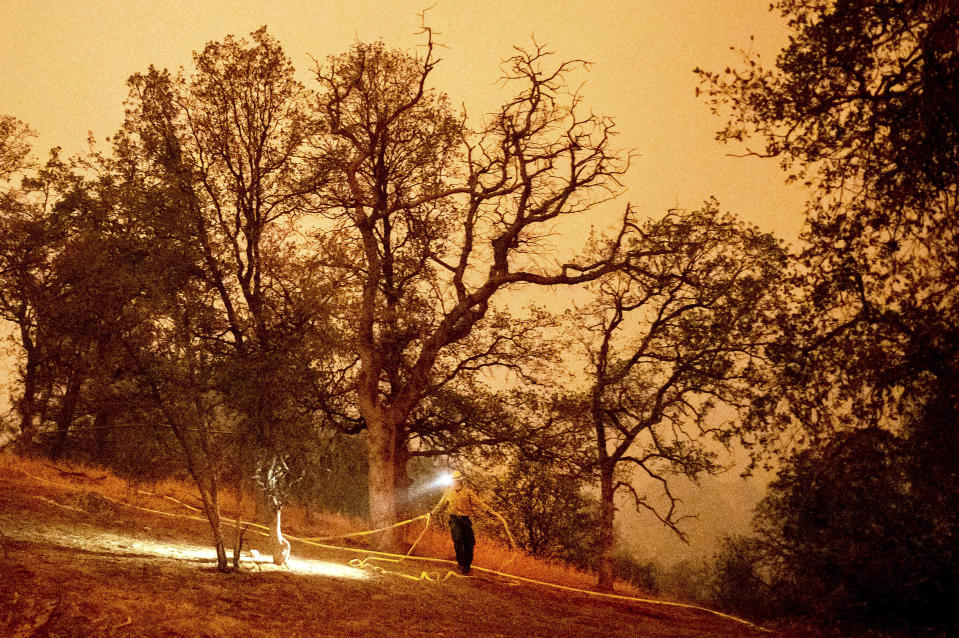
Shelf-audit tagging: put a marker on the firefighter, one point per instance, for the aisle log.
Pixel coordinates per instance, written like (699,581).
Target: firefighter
(461,502)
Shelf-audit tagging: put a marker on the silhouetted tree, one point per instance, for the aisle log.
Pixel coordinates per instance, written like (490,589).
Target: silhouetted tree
(27,236)
(677,333)
(428,220)
(59,288)
(860,105)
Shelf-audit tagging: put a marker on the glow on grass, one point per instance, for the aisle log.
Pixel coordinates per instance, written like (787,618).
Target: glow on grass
(118,543)
(122,544)
(166,550)
(298,565)
(325,568)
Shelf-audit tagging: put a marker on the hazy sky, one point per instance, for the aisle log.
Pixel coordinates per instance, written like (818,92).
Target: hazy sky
(63,65)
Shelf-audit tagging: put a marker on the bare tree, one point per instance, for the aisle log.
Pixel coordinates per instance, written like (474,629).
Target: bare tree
(669,339)
(428,220)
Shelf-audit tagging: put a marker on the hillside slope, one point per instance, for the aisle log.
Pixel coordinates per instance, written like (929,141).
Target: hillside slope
(78,564)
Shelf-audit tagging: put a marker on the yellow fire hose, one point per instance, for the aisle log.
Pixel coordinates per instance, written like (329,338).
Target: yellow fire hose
(512,542)
(424,575)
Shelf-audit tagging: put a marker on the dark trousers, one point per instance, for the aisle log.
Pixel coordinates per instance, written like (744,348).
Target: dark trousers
(461,528)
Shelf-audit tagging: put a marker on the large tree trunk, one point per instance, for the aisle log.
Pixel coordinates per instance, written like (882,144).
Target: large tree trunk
(607,511)
(401,477)
(607,490)
(382,461)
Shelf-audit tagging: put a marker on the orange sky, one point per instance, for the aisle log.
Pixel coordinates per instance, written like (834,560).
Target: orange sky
(63,64)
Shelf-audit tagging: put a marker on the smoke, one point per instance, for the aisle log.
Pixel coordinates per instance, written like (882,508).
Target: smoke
(722,506)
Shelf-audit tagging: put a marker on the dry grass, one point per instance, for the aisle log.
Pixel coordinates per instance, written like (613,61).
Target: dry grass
(79,564)
(297,521)
(493,555)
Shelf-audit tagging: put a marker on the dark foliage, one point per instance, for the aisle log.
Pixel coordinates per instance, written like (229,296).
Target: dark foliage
(845,537)
(550,515)
(860,105)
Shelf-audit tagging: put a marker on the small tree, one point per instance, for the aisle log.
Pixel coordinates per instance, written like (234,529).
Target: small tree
(275,481)
(677,333)
(177,371)
(221,150)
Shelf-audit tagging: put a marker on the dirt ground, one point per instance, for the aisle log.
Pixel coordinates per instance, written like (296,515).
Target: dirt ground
(77,564)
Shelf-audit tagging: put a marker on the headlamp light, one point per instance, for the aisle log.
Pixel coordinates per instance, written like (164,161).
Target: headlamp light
(445,479)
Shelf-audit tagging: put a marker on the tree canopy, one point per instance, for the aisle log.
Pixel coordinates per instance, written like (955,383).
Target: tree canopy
(429,220)
(861,106)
